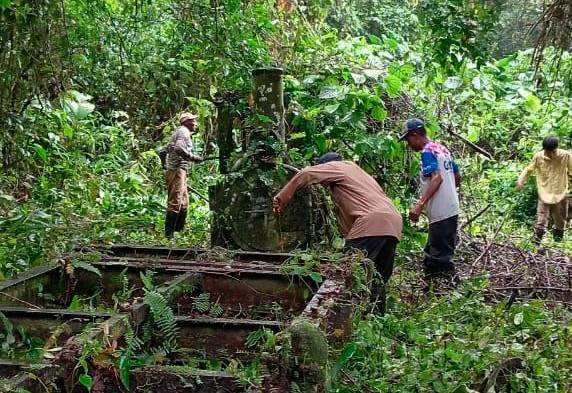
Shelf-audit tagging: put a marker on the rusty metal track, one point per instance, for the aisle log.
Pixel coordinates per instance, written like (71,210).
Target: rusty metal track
(139,251)
(192,266)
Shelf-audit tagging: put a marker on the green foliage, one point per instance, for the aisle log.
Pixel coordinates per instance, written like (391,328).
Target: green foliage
(86,266)
(458,30)
(88,90)
(262,338)
(7,332)
(164,320)
(452,342)
(132,344)
(203,304)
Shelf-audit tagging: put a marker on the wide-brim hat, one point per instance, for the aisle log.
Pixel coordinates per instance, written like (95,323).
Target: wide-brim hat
(183,117)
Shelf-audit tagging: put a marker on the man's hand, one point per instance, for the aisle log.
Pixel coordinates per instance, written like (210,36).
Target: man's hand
(519,184)
(277,205)
(415,212)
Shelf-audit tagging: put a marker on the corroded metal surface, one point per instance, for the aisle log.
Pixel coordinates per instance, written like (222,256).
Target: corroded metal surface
(249,287)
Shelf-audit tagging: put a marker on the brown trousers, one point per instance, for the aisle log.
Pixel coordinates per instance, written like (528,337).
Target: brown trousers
(178,197)
(558,211)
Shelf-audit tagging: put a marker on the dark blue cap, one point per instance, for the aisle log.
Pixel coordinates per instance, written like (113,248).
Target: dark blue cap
(412,125)
(331,156)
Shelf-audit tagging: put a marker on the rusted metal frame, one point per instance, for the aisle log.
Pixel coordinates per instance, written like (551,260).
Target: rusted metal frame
(27,275)
(229,322)
(51,313)
(160,378)
(170,263)
(145,251)
(188,268)
(332,309)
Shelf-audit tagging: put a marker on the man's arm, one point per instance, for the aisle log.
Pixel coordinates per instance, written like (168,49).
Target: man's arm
(318,174)
(525,173)
(457,174)
(434,184)
(429,168)
(179,146)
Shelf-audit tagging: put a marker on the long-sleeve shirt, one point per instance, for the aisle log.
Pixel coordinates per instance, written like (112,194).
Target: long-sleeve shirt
(362,207)
(552,175)
(180,149)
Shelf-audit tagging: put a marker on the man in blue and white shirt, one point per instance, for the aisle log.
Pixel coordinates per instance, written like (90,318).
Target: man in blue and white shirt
(440,178)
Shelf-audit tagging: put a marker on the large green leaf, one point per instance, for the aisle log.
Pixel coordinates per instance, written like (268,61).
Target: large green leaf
(358,78)
(379,113)
(86,380)
(40,152)
(330,92)
(452,83)
(532,103)
(393,85)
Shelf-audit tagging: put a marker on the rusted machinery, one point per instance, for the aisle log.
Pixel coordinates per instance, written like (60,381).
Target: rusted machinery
(219,299)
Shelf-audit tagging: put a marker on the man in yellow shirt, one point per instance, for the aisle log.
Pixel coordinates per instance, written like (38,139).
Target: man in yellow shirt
(552,167)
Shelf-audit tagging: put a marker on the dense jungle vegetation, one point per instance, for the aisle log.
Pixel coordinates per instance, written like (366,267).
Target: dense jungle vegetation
(89,89)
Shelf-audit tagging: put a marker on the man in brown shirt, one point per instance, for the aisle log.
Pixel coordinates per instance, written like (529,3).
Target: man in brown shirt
(367,217)
(179,157)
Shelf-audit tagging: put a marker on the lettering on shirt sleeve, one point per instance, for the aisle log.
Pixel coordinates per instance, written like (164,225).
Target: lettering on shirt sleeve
(429,164)
(455,167)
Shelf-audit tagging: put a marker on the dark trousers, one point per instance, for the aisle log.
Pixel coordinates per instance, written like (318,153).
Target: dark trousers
(381,250)
(440,246)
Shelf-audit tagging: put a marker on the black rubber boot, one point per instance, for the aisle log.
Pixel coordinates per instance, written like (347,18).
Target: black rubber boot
(558,235)
(538,234)
(170,222)
(378,297)
(181,219)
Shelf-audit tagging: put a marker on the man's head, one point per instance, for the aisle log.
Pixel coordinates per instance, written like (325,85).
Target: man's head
(550,144)
(329,157)
(415,134)
(189,120)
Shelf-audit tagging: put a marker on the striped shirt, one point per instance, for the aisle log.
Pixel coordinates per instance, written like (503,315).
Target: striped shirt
(179,149)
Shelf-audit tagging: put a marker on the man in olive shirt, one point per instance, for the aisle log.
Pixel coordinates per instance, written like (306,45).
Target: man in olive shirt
(179,156)
(553,167)
(367,217)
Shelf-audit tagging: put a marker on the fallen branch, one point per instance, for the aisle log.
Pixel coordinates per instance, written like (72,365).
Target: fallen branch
(533,288)
(477,215)
(478,149)
(491,241)
(451,129)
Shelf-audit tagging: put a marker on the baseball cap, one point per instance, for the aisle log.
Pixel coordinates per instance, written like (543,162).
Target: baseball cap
(412,125)
(183,117)
(328,157)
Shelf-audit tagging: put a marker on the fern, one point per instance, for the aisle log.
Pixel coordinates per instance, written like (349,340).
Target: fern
(255,338)
(147,279)
(202,302)
(126,290)
(216,310)
(86,266)
(164,319)
(8,338)
(133,343)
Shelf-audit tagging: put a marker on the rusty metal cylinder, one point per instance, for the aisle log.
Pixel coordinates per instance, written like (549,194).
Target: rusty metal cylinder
(268,95)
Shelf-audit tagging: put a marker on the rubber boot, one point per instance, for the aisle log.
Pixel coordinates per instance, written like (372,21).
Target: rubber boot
(558,234)
(538,234)
(181,219)
(378,298)
(170,222)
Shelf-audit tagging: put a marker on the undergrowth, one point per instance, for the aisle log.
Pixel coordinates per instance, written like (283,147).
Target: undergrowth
(457,343)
